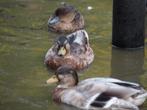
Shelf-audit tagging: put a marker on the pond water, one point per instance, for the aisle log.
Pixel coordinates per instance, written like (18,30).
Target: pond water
(24,40)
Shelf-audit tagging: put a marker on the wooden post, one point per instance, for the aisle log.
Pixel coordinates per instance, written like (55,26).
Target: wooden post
(128,23)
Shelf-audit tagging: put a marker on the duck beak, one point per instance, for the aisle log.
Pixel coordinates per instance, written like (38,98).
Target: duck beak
(53,20)
(52,80)
(62,51)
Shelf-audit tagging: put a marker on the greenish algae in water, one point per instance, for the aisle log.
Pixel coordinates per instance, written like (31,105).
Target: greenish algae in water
(24,40)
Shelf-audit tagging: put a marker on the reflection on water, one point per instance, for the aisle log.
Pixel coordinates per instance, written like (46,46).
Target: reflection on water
(127,64)
(24,40)
(67,107)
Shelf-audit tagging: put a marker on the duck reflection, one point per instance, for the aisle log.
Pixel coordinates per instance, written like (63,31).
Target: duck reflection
(68,107)
(127,64)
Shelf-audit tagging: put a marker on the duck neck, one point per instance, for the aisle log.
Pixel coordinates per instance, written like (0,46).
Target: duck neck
(58,91)
(57,94)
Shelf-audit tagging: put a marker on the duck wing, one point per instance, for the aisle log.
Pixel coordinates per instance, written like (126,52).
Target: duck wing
(80,37)
(77,49)
(108,80)
(105,100)
(115,87)
(122,91)
(78,41)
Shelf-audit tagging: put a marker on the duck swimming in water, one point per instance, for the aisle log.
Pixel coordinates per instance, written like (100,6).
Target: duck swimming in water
(66,19)
(94,93)
(73,50)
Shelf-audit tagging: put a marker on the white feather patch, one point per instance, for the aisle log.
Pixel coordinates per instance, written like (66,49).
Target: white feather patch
(91,100)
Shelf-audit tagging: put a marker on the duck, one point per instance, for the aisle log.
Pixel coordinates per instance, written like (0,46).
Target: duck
(73,49)
(66,19)
(95,93)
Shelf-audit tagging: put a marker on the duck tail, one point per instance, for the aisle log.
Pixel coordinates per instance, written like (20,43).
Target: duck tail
(144,95)
(140,99)
(117,104)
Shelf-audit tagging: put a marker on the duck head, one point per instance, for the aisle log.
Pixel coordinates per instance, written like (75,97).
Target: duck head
(62,14)
(65,76)
(63,46)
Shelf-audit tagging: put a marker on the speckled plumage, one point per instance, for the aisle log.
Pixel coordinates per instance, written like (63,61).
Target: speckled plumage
(85,93)
(94,93)
(80,55)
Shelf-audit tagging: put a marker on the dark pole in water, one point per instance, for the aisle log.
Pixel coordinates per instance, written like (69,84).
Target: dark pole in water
(128,23)
(127,64)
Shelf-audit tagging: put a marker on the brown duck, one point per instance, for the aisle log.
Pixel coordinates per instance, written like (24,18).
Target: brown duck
(73,50)
(66,19)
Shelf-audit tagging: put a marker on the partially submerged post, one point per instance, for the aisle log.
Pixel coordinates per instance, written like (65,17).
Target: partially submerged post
(127,64)
(128,23)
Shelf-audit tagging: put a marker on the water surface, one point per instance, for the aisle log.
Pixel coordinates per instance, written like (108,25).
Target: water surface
(24,40)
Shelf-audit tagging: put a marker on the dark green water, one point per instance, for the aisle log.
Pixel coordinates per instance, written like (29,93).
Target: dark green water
(24,40)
